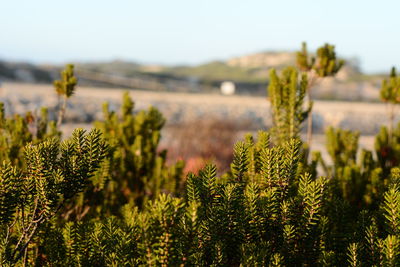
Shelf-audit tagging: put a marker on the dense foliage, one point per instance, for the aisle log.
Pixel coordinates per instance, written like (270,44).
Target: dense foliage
(108,198)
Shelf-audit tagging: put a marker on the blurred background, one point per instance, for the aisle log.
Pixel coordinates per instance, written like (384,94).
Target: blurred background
(203,64)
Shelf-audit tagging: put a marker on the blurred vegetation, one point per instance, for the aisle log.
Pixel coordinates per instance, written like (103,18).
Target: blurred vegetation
(108,198)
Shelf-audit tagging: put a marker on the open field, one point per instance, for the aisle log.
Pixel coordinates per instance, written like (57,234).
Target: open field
(182,108)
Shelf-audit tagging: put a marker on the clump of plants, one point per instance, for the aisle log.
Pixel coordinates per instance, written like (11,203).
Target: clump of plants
(316,67)
(108,198)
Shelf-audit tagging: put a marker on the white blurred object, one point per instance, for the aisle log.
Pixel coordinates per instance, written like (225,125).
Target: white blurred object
(227,88)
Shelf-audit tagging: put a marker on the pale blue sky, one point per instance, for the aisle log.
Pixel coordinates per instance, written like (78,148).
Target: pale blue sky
(191,32)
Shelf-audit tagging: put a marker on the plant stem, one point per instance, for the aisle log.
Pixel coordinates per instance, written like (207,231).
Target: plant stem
(309,123)
(391,121)
(312,80)
(61,112)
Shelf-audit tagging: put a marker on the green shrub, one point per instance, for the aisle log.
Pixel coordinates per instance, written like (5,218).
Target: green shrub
(265,212)
(107,198)
(134,171)
(31,196)
(16,132)
(324,64)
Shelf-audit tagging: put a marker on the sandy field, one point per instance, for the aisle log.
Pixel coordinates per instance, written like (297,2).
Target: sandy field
(85,106)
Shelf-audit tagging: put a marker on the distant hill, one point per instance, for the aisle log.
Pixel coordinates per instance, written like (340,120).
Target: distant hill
(264,60)
(120,67)
(249,72)
(218,71)
(251,68)
(24,72)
